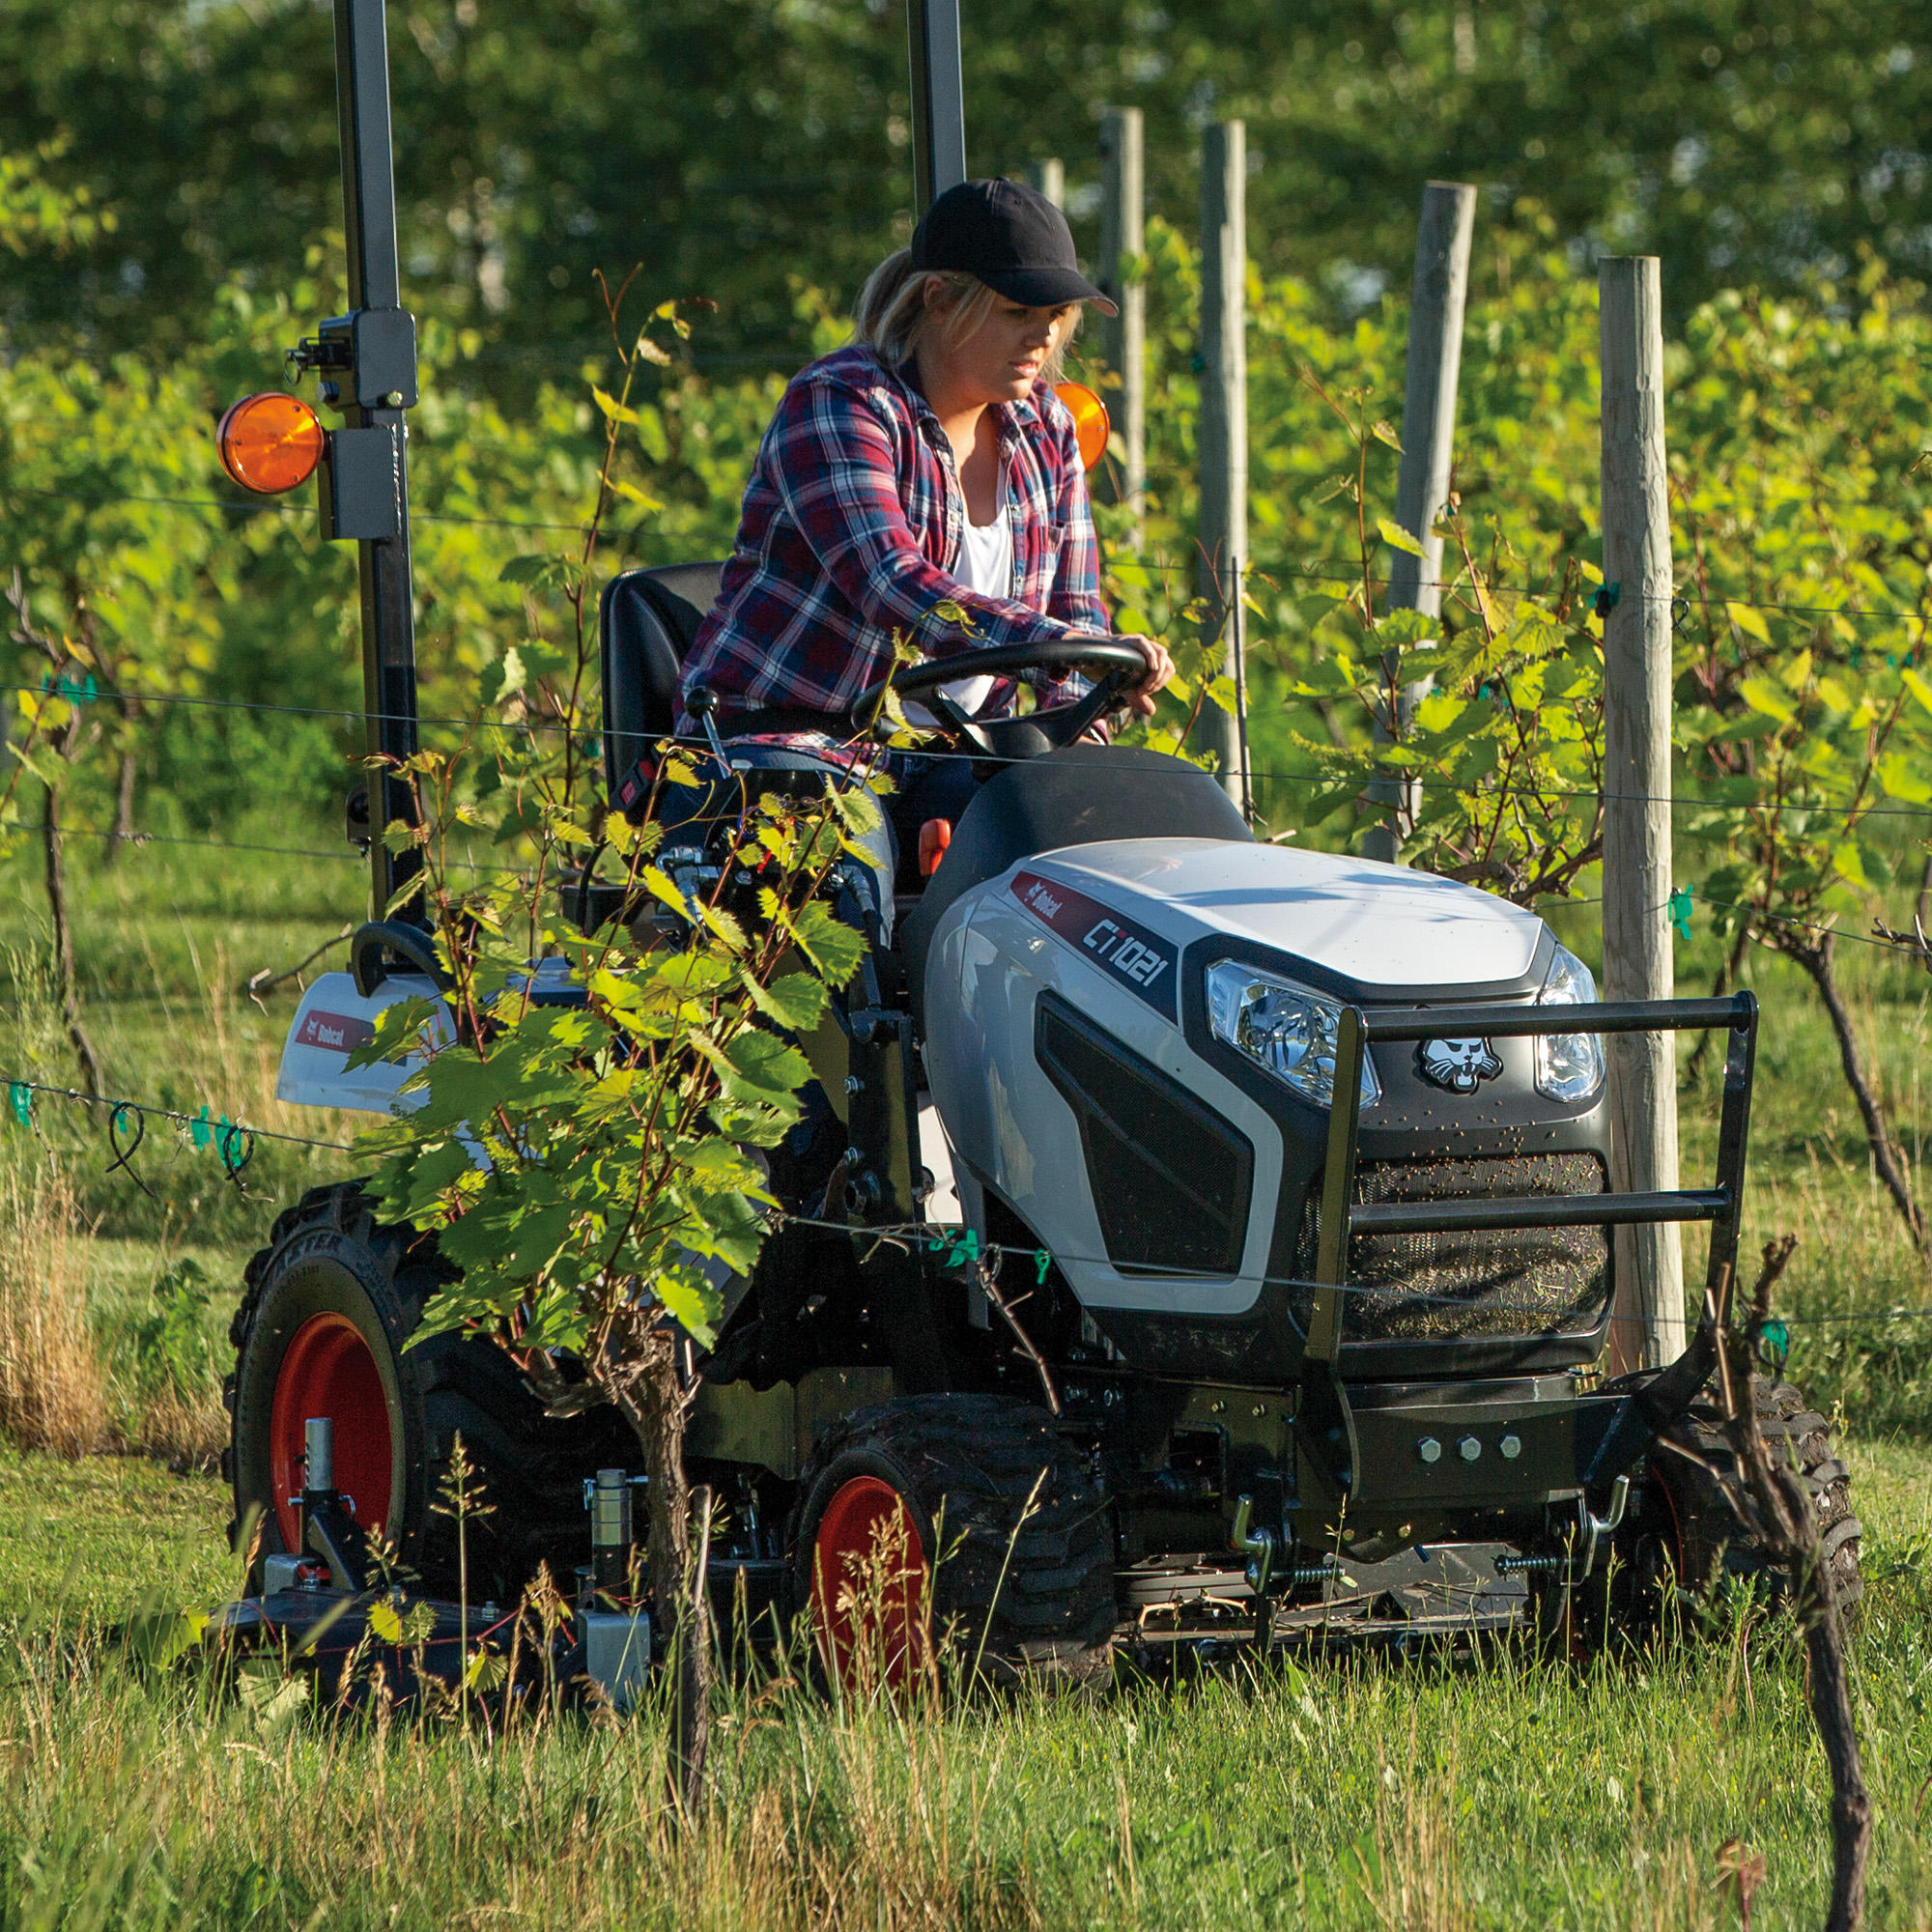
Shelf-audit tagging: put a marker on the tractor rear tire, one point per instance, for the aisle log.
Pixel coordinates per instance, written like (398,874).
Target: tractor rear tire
(329,1306)
(1023,1587)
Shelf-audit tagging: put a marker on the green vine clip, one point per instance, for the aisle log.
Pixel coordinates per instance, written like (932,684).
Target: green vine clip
(958,1244)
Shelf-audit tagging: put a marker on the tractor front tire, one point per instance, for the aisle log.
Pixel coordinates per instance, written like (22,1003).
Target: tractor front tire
(1686,1548)
(329,1307)
(997,1538)
(1710,1549)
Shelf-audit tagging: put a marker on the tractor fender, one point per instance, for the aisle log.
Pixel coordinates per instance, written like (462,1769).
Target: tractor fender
(331,1022)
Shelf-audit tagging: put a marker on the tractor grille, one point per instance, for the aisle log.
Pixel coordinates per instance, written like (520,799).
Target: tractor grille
(1516,1281)
(1171,1178)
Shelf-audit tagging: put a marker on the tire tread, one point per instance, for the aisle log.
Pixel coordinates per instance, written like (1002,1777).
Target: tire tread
(969,1465)
(529,1465)
(1715,1546)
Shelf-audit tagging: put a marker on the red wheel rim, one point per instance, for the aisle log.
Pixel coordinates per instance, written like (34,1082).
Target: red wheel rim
(868,1583)
(328,1370)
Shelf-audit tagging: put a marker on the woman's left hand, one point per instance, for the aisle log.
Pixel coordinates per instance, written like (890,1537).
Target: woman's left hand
(1159,668)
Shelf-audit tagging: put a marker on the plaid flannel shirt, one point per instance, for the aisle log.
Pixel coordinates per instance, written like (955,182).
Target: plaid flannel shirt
(851,528)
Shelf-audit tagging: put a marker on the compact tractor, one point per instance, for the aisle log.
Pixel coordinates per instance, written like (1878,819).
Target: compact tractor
(1272,1268)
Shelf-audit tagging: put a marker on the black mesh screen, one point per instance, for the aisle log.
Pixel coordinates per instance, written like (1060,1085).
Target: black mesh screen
(1171,1178)
(1518,1281)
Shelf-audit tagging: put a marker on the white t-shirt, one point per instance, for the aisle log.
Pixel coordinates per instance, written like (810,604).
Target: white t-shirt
(985,565)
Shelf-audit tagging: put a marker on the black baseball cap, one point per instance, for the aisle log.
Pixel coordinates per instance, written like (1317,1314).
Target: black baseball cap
(1009,237)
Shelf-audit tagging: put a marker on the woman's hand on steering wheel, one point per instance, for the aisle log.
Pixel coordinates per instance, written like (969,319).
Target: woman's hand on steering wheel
(1159,670)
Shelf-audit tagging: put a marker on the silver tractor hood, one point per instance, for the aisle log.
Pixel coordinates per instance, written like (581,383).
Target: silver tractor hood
(1071,1062)
(1377,930)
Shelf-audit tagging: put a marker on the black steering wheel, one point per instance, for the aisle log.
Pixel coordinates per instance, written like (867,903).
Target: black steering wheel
(1121,666)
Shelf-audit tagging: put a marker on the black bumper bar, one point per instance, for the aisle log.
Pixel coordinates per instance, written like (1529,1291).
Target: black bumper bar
(1539,1210)
(1328,1427)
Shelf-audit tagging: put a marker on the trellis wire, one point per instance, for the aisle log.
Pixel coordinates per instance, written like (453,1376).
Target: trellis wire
(935,1237)
(1311,780)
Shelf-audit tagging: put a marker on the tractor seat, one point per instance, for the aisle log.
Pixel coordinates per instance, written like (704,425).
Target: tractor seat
(1082,795)
(646,621)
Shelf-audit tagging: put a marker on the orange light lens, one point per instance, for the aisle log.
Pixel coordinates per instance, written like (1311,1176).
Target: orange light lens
(270,442)
(1090,421)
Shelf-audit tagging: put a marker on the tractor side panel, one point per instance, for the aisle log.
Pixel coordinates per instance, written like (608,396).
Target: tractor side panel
(1018,1132)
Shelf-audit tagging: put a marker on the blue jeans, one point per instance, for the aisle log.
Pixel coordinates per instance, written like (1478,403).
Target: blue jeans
(925,786)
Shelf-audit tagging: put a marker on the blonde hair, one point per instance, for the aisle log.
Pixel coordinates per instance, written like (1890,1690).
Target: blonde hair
(893,311)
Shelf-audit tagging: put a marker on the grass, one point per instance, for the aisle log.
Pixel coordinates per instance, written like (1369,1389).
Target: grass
(1426,1793)
(165,937)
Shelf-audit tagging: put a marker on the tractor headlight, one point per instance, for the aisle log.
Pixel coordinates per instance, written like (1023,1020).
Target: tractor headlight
(1282,1027)
(1569,1066)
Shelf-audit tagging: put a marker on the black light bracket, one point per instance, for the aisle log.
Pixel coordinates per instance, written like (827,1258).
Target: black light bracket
(375,348)
(365,362)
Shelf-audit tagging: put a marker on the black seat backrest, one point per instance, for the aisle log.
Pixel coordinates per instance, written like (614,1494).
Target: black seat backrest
(646,621)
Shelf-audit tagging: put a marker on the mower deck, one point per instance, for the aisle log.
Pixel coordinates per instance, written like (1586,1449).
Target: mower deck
(1444,1591)
(1434,1596)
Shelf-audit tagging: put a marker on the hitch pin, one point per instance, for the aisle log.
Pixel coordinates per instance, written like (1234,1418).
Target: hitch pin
(1597,1527)
(1576,1565)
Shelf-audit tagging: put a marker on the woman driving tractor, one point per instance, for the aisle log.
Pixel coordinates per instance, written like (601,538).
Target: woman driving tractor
(924,483)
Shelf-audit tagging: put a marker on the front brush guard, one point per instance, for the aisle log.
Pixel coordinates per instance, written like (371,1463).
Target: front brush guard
(1372,1458)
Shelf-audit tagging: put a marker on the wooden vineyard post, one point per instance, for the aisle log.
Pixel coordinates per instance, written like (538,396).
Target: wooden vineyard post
(1428,447)
(1637,799)
(1048,178)
(1122,240)
(1224,434)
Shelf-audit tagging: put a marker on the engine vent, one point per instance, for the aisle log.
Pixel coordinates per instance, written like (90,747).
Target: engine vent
(1171,1178)
(1518,1281)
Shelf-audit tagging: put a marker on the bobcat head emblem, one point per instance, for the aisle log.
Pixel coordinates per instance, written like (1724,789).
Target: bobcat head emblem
(1458,1065)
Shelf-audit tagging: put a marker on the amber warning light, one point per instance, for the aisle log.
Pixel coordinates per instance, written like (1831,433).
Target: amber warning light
(270,442)
(1090,421)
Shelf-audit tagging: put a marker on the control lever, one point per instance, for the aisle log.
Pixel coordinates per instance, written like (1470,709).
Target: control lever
(701,701)
(1260,1545)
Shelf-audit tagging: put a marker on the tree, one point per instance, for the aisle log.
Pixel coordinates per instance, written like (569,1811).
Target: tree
(741,146)
(592,1166)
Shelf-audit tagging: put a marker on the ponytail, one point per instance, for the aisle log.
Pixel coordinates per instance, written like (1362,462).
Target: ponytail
(893,311)
(886,305)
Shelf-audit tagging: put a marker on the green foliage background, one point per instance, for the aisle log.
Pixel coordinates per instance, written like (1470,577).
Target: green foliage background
(737,144)
(1796,427)
(158,268)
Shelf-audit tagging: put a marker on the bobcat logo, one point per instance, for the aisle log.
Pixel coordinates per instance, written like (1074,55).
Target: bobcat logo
(1458,1065)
